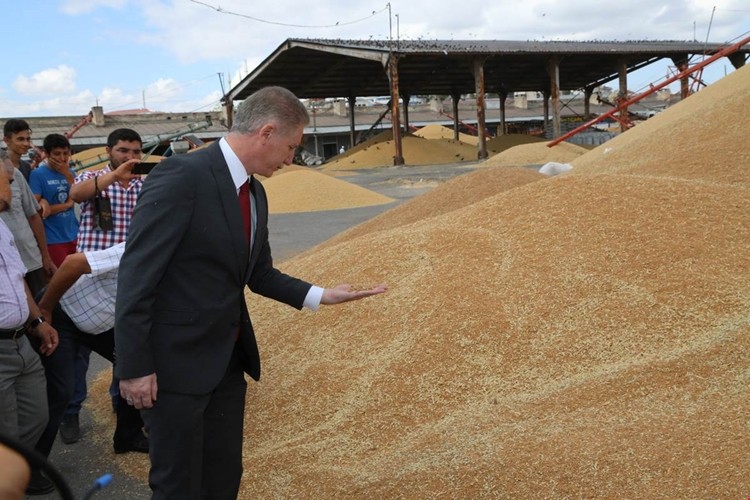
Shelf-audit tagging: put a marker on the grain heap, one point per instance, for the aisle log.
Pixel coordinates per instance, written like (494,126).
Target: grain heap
(585,335)
(437,131)
(416,151)
(536,153)
(500,143)
(457,193)
(301,189)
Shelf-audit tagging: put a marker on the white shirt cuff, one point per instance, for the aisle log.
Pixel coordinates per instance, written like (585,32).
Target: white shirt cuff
(313,298)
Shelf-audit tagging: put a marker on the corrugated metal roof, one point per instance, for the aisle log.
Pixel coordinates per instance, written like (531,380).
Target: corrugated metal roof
(316,68)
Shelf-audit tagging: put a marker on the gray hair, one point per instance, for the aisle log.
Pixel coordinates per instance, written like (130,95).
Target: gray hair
(270,105)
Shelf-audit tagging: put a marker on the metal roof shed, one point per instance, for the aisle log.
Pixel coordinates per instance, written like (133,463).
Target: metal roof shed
(315,68)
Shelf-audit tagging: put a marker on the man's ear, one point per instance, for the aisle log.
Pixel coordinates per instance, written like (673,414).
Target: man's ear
(267,131)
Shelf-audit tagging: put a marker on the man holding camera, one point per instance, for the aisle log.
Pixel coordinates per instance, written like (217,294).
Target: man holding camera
(107,197)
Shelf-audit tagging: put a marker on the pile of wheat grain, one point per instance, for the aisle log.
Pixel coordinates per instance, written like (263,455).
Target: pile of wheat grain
(585,335)
(305,190)
(415,150)
(500,143)
(537,153)
(437,131)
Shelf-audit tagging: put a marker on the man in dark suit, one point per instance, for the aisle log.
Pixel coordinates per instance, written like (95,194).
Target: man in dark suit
(183,331)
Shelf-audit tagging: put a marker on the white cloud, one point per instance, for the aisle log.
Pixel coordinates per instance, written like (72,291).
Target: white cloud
(70,105)
(49,81)
(183,34)
(75,7)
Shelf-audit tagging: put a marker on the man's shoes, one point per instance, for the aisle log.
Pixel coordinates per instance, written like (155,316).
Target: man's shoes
(70,431)
(39,484)
(138,444)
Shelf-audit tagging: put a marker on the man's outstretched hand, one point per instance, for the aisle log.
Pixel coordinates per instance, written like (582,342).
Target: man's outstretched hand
(346,293)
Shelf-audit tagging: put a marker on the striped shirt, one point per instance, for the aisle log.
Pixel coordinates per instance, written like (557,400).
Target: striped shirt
(122,201)
(14,309)
(90,302)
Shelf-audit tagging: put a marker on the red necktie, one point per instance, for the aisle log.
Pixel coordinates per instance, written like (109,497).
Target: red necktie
(244,199)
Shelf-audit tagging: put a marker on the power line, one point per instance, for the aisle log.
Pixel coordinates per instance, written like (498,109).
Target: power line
(347,23)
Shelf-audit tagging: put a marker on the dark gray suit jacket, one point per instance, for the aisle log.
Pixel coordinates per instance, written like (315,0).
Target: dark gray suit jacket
(180,294)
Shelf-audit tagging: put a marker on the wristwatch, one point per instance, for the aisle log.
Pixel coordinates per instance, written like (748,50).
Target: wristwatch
(35,322)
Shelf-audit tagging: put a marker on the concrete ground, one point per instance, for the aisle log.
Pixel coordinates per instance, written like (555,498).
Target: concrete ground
(84,462)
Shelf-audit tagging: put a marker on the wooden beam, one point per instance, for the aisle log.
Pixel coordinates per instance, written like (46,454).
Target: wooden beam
(481,122)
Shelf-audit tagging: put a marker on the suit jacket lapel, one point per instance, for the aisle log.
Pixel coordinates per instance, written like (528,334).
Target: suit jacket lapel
(261,217)
(230,208)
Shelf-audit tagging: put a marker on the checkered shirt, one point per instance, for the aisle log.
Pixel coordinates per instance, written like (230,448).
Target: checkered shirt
(90,302)
(121,200)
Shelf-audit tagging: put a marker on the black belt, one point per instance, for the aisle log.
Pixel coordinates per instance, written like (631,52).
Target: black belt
(13,334)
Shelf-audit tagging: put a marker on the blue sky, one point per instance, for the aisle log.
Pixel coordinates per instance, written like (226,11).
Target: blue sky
(64,56)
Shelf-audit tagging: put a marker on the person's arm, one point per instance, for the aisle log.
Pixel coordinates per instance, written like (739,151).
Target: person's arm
(346,293)
(73,267)
(84,190)
(46,334)
(37,227)
(35,187)
(150,247)
(14,473)
(49,210)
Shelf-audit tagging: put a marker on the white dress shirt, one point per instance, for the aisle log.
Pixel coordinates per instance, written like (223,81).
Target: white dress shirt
(14,308)
(239,176)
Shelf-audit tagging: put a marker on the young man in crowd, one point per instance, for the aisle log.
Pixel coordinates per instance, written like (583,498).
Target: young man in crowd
(24,221)
(51,183)
(17,137)
(107,197)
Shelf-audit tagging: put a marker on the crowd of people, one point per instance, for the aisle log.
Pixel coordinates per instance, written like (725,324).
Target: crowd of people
(175,324)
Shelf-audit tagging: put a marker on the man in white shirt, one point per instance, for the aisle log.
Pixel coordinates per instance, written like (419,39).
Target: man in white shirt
(23,406)
(80,299)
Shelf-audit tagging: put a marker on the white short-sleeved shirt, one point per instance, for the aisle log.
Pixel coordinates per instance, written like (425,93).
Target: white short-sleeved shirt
(90,302)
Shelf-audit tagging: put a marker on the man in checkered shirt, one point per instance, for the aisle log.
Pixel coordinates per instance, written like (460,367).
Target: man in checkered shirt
(116,186)
(80,299)
(114,183)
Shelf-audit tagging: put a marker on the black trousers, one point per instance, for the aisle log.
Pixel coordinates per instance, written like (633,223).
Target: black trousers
(59,370)
(195,442)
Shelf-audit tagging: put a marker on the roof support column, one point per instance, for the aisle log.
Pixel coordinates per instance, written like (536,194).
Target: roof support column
(455,97)
(502,129)
(229,112)
(481,127)
(398,157)
(546,94)
(406,98)
(553,69)
(682,65)
(622,93)
(588,92)
(352,105)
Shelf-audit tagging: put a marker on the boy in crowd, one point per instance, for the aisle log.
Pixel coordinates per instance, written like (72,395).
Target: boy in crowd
(23,219)
(51,184)
(17,137)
